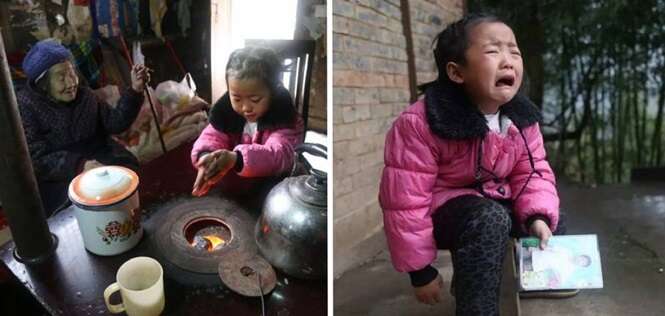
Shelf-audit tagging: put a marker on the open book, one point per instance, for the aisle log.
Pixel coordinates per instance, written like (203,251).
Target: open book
(568,262)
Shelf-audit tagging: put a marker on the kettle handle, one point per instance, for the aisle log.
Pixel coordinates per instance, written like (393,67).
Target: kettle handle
(316,150)
(312,148)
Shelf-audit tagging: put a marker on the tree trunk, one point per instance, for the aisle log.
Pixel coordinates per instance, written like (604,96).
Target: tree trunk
(656,142)
(532,40)
(594,137)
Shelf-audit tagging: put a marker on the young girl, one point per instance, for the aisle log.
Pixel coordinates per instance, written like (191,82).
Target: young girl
(253,128)
(466,165)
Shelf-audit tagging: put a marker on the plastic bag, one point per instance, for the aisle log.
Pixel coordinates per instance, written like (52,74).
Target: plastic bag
(176,95)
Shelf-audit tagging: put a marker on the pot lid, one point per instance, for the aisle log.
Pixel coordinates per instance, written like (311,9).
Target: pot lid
(252,276)
(104,185)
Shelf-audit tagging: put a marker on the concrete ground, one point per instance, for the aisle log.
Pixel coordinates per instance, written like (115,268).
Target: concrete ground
(629,221)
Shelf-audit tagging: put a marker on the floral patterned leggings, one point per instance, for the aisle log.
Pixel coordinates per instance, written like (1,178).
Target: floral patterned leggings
(476,230)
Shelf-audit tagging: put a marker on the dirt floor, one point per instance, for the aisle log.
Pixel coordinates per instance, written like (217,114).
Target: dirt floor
(629,221)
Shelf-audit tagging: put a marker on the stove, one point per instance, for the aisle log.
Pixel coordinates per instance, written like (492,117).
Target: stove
(196,234)
(207,239)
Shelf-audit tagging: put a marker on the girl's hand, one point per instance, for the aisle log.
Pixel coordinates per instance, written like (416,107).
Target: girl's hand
(430,293)
(540,229)
(218,161)
(213,165)
(140,76)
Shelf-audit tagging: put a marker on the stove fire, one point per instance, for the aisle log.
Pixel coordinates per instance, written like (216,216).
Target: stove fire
(208,242)
(207,233)
(197,234)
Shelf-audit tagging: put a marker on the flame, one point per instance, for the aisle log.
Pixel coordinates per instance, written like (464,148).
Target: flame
(214,241)
(210,242)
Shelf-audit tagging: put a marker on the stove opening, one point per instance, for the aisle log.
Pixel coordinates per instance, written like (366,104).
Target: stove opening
(207,233)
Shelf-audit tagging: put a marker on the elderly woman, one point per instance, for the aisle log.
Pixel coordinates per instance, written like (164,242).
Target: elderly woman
(67,127)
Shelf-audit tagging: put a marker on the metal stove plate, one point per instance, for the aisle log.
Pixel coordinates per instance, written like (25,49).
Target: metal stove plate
(234,277)
(172,244)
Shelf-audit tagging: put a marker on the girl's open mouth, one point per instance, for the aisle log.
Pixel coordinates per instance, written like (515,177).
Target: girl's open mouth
(505,81)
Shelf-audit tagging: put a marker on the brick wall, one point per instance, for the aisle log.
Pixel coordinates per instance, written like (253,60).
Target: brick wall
(428,18)
(371,87)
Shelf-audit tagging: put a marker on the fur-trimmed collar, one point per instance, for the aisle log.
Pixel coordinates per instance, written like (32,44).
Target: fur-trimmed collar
(451,115)
(281,113)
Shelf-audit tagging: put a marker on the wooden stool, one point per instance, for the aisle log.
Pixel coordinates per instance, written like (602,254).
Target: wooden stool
(509,298)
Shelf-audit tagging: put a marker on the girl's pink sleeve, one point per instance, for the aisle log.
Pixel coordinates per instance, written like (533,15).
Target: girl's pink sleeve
(274,156)
(540,195)
(210,140)
(405,193)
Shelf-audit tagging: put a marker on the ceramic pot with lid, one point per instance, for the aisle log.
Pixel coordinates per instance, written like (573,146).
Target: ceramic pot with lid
(291,232)
(106,206)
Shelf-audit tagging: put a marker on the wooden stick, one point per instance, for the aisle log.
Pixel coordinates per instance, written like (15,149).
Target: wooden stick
(147,92)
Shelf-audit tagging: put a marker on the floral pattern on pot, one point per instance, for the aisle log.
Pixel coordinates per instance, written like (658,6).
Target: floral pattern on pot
(119,232)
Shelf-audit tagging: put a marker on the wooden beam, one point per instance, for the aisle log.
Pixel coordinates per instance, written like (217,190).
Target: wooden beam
(411,60)
(18,186)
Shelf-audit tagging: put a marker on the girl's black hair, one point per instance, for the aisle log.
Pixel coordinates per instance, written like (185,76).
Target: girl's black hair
(255,63)
(451,44)
(262,64)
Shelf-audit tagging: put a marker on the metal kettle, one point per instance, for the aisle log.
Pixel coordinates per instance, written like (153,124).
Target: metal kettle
(291,231)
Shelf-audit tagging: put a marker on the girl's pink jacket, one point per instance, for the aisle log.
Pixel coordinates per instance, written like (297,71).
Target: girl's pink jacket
(423,171)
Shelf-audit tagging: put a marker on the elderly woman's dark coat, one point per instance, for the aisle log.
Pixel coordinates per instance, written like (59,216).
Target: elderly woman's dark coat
(62,137)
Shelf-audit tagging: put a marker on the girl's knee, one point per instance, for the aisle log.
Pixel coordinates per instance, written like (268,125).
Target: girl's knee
(495,217)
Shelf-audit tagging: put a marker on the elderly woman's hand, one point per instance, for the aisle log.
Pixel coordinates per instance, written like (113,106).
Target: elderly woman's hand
(140,77)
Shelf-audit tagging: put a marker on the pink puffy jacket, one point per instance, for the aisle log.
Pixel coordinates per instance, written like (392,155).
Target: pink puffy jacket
(431,156)
(269,153)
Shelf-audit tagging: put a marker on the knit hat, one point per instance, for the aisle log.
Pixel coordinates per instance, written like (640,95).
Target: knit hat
(42,57)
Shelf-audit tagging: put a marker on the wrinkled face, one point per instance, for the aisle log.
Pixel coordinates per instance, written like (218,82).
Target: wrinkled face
(63,82)
(249,98)
(493,71)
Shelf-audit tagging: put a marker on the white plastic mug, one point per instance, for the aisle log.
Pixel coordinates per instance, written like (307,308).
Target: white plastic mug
(141,284)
